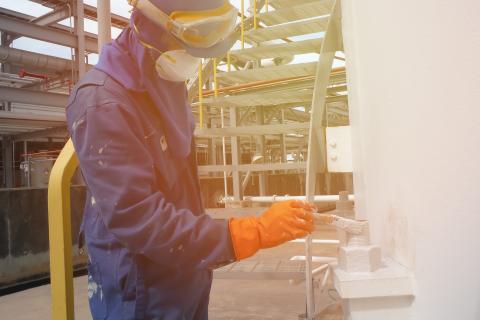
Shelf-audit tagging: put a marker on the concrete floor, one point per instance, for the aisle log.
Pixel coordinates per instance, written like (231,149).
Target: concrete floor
(230,299)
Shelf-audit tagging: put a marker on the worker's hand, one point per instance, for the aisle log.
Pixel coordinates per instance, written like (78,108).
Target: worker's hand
(283,221)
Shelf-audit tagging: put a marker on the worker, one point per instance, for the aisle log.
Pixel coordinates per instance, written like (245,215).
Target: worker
(151,247)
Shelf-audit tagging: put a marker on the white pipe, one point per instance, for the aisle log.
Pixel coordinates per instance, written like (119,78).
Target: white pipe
(317,241)
(104,23)
(323,260)
(33,60)
(317,198)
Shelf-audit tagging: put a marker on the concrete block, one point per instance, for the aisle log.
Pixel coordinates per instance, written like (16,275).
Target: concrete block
(360,258)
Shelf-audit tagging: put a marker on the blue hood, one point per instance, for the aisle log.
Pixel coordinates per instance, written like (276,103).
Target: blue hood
(131,64)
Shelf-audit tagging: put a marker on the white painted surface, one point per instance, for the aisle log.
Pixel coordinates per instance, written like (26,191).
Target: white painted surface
(339,149)
(391,280)
(413,78)
(391,308)
(360,258)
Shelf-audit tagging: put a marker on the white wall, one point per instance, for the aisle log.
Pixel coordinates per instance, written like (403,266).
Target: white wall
(414,84)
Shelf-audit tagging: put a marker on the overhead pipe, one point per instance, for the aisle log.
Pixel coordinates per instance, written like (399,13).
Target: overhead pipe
(33,60)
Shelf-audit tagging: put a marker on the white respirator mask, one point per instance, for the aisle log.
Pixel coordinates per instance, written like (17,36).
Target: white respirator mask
(177,65)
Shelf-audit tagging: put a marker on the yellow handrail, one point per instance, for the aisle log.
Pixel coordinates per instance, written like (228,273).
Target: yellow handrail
(242,23)
(60,233)
(200,93)
(215,82)
(255,14)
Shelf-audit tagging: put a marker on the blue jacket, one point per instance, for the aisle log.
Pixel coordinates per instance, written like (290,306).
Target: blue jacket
(151,246)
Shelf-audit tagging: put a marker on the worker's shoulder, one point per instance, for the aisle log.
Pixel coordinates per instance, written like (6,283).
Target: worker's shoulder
(96,88)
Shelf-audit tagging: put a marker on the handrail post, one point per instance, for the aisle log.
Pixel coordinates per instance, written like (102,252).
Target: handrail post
(255,14)
(242,23)
(60,234)
(200,93)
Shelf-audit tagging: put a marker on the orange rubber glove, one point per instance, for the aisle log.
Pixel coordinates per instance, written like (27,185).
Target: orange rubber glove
(283,221)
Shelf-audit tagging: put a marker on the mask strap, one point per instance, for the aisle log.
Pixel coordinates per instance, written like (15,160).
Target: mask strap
(143,42)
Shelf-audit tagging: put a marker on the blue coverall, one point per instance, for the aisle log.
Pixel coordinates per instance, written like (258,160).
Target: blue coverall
(151,246)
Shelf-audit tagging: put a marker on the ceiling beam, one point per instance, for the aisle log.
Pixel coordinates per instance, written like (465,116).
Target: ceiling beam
(57,132)
(54,35)
(90,12)
(52,17)
(56,15)
(253,130)
(11,115)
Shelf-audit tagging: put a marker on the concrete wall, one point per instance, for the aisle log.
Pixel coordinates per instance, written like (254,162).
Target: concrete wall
(414,86)
(24,232)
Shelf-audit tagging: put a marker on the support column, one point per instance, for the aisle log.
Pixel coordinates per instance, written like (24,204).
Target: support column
(7,155)
(235,158)
(283,146)
(5,67)
(27,158)
(260,149)
(79,31)
(104,23)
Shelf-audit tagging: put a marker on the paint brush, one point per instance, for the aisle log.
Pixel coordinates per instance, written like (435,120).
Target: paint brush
(349,225)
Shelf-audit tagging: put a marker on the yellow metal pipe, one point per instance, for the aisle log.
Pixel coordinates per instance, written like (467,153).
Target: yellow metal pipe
(60,233)
(200,93)
(229,62)
(255,14)
(266,83)
(266,5)
(242,23)
(215,82)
